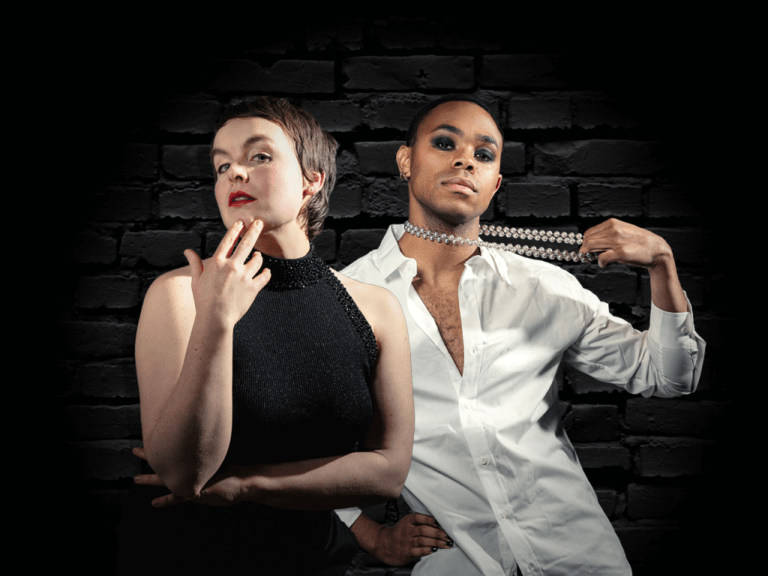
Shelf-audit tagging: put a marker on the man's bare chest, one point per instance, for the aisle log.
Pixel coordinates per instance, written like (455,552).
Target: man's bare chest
(443,306)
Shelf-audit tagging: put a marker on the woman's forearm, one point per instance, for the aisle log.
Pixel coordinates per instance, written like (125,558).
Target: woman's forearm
(354,479)
(190,436)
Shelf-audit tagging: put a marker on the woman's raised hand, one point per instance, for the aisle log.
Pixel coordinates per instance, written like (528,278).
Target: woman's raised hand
(227,285)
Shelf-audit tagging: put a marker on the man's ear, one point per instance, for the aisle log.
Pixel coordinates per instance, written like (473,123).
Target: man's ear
(403,157)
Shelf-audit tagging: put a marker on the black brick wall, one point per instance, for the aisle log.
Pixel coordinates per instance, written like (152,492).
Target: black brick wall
(612,133)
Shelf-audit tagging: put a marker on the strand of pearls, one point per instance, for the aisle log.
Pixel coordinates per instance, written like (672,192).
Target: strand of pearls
(533,251)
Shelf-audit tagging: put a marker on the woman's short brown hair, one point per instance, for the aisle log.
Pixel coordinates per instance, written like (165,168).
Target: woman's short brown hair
(315,148)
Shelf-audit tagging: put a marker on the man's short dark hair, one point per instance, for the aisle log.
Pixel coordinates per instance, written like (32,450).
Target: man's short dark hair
(315,149)
(413,129)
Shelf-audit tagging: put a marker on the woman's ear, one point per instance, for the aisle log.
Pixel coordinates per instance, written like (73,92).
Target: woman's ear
(403,157)
(313,187)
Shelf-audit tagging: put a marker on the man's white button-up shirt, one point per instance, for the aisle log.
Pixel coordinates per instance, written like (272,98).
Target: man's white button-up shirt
(491,461)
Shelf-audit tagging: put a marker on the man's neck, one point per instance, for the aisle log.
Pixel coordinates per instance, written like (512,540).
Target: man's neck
(436,263)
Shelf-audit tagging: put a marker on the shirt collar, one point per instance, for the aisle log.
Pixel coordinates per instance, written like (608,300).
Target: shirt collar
(389,257)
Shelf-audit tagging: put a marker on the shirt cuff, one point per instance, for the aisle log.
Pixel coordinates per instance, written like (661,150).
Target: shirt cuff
(348,515)
(671,328)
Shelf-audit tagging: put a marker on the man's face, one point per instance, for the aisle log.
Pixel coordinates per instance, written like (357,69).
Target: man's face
(454,164)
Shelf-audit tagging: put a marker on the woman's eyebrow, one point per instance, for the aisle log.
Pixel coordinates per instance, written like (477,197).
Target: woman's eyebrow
(454,130)
(247,144)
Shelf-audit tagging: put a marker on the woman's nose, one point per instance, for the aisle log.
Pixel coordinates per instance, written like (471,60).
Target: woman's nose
(238,172)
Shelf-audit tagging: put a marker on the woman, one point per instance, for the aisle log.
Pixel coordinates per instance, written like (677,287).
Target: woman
(262,372)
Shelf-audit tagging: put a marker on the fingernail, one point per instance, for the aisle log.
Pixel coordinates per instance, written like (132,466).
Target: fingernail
(436,522)
(449,543)
(434,548)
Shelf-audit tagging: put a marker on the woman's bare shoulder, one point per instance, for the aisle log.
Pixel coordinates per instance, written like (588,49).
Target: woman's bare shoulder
(376,303)
(174,289)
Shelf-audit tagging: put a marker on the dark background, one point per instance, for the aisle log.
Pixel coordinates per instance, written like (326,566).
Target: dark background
(619,129)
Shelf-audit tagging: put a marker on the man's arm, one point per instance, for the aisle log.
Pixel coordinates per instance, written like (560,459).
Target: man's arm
(665,360)
(414,536)
(618,241)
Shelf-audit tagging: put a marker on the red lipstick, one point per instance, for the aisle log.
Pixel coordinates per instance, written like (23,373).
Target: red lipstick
(240,198)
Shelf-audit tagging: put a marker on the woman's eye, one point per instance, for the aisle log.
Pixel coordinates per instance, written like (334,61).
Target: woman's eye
(261,158)
(222,169)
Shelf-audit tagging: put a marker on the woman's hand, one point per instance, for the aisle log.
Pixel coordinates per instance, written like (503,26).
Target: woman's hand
(227,285)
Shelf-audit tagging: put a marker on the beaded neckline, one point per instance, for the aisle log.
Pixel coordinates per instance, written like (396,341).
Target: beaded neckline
(291,274)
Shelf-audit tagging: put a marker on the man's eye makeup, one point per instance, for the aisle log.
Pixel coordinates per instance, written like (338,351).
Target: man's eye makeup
(446,143)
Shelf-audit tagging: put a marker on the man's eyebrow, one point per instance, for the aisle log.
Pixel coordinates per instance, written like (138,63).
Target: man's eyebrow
(247,144)
(454,130)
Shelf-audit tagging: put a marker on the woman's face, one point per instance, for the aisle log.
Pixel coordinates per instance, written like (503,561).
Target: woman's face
(257,174)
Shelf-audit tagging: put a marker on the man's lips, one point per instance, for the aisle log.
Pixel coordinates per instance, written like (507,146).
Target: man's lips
(460,184)
(240,198)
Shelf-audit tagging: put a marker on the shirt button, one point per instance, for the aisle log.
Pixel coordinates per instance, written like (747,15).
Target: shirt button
(474,351)
(483,460)
(503,514)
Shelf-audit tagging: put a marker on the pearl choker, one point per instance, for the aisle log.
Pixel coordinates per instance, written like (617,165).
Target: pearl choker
(485,230)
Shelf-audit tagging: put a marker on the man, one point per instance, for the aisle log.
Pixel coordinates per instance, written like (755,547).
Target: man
(494,481)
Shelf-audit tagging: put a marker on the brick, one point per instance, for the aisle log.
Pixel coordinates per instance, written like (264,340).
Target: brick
(104,459)
(513,158)
(602,455)
(607,498)
(325,245)
(654,545)
(600,112)
(108,380)
(670,417)
(357,243)
(212,241)
(96,339)
(346,200)
(187,162)
(406,33)
(689,245)
(284,76)
(136,161)
(672,200)
(335,115)
(189,202)
(346,164)
(606,200)
(616,284)
(537,199)
(667,457)
(522,71)
(337,36)
(539,112)
(692,285)
(100,422)
(620,157)
(409,73)
(395,111)
(107,292)
(386,197)
(123,204)
(580,383)
(644,501)
(456,35)
(162,248)
(189,116)
(377,157)
(593,423)
(92,248)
